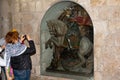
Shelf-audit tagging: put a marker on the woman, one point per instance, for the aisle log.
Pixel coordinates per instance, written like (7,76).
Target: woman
(18,55)
(3,60)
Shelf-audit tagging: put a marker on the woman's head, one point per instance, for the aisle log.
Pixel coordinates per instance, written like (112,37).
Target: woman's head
(12,37)
(15,33)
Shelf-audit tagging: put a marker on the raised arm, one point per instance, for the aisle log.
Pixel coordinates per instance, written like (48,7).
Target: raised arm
(31,49)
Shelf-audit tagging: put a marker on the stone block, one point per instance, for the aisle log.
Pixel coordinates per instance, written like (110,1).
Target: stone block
(27,29)
(109,41)
(94,13)
(111,75)
(22,1)
(98,76)
(36,38)
(111,59)
(38,50)
(100,64)
(16,1)
(95,3)
(100,32)
(95,63)
(35,60)
(113,40)
(109,13)
(113,2)
(25,7)
(27,18)
(98,59)
(32,6)
(39,6)
(104,12)
(33,70)
(17,7)
(100,26)
(43,6)
(17,18)
(114,12)
(53,78)
(114,26)
(37,68)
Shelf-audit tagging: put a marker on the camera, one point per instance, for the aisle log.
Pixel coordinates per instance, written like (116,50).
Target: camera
(25,38)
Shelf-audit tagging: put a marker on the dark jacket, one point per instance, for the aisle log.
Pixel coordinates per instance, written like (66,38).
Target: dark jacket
(23,61)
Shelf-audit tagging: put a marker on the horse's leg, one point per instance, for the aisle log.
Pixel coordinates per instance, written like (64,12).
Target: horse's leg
(57,55)
(82,59)
(48,44)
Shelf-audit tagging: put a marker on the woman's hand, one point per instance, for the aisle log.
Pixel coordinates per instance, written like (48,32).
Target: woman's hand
(28,37)
(3,46)
(22,38)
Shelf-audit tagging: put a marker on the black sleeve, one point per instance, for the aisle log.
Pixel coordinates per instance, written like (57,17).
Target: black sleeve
(30,50)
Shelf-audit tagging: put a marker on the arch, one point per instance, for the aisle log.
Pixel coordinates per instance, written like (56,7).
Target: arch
(67,40)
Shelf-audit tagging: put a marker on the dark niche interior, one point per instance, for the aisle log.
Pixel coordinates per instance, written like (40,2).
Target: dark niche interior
(71,40)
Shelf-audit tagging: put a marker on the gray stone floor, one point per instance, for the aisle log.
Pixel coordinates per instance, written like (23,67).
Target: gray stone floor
(35,78)
(38,78)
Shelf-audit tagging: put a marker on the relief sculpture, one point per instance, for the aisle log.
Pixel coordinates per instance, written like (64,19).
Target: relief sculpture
(72,41)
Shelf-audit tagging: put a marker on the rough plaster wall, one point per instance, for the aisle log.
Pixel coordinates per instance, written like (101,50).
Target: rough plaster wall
(0,21)
(5,20)
(105,14)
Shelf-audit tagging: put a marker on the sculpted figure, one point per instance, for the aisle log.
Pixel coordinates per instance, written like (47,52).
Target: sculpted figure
(57,31)
(72,42)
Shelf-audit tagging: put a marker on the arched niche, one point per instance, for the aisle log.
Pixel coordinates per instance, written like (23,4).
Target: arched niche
(67,41)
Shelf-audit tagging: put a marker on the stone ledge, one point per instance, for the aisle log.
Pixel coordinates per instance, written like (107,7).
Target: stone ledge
(35,78)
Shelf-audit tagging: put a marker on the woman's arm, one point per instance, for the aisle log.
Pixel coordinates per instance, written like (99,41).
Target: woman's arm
(0,49)
(2,41)
(31,49)
(2,60)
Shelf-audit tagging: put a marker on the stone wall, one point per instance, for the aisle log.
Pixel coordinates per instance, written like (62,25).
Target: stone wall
(105,14)
(4,17)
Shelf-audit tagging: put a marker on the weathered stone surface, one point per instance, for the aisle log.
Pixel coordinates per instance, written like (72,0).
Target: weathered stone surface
(17,18)
(32,6)
(111,76)
(113,2)
(98,76)
(27,29)
(36,38)
(114,27)
(94,13)
(100,32)
(27,18)
(98,2)
(109,13)
(25,7)
(38,6)
(35,60)
(17,7)
(42,5)
(53,78)
(98,60)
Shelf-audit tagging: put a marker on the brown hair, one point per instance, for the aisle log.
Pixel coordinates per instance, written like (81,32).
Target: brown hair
(11,37)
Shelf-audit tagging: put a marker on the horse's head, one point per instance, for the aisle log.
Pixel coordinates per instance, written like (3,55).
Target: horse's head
(56,27)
